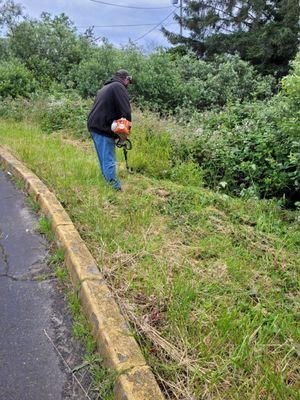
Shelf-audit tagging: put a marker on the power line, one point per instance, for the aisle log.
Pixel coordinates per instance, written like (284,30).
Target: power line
(114,26)
(135,7)
(120,25)
(151,30)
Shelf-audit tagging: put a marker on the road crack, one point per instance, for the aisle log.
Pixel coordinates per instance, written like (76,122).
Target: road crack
(4,255)
(30,277)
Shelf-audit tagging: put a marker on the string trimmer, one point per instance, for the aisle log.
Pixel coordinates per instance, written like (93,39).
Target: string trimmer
(125,145)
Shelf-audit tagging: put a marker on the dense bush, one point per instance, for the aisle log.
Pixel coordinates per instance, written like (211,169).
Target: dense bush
(158,83)
(15,79)
(227,79)
(252,148)
(89,76)
(166,82)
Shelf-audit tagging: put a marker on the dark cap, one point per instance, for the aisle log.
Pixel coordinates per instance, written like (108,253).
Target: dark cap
(122,73)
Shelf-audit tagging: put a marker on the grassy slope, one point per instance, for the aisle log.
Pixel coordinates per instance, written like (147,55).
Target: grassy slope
(211,280)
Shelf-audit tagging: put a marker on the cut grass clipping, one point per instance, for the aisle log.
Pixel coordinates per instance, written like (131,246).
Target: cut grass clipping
(209,282)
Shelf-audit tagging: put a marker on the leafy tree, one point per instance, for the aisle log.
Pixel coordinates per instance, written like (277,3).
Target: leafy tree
(263,32)
(9,12)
(4,49)
(49,47)
(89,76)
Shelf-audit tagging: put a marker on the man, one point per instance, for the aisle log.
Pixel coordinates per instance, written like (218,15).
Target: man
(111,103)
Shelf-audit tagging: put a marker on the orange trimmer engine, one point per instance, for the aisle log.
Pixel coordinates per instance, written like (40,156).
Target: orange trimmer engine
(121,127)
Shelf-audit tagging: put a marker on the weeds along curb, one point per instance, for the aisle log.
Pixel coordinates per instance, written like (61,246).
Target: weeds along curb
(111,331)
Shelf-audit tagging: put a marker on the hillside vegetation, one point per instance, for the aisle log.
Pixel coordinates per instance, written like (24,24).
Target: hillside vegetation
(248,148)
(229,124)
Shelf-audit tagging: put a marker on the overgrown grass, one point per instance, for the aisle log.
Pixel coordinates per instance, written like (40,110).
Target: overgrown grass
(209,281)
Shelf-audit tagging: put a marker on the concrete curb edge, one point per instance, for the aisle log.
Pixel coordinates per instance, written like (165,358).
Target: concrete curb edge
(111,331)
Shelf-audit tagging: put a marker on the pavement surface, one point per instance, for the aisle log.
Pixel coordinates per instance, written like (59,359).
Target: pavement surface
(32,307)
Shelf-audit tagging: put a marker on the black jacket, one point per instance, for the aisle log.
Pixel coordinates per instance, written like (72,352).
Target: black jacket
(112,102)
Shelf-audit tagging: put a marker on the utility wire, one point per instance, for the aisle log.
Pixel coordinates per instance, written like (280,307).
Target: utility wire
(120,25)
(151,30)
(135,7)
(116,26)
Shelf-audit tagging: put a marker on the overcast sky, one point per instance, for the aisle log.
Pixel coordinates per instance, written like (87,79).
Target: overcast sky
(85,13)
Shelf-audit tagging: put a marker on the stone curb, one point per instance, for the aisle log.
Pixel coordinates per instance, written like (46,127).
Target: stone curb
(111,331)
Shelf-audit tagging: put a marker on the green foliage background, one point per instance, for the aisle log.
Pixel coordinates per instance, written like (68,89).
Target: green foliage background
(226,128)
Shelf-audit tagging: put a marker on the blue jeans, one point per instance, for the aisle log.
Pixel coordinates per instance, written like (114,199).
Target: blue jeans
(105,148)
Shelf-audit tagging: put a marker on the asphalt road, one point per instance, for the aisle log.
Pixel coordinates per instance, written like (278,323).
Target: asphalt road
(32,306)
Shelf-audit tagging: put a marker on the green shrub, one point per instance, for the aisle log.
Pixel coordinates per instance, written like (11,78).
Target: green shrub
(158,84)
(217,83)
(90,75)
(68,112)
(167,83)
(251,149)
(15,80)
